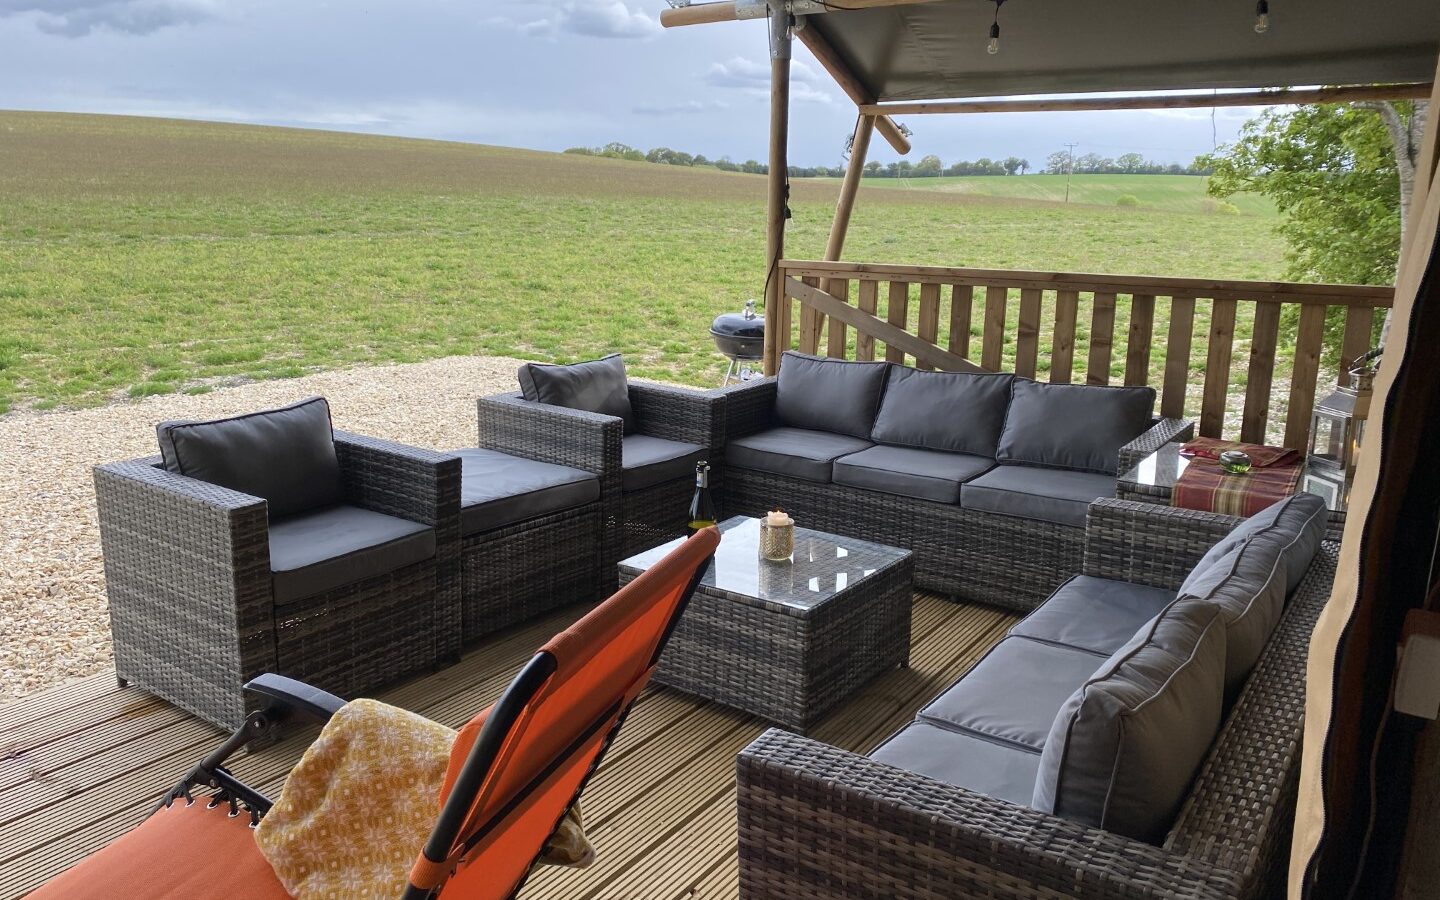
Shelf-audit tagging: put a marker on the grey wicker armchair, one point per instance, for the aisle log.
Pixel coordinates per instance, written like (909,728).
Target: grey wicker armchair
(646,478)
(197,610)
(819,822)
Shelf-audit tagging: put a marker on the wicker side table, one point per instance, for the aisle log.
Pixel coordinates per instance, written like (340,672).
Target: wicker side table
(1152,480)
(788,641)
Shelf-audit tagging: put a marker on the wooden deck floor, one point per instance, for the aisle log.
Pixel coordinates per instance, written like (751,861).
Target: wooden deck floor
(82,763)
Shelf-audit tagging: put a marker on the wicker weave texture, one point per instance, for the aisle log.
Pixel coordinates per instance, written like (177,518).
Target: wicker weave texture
(788,667)
(634,520)
(816,821)
(187,568)
(519,572)
(979,556)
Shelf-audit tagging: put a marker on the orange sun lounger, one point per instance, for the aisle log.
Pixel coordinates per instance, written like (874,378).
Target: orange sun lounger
(515,769)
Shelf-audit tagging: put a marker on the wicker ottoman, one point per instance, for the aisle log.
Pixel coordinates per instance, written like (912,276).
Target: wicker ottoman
(788,641)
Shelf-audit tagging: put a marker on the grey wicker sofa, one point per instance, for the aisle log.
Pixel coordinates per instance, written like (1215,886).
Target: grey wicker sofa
(646,467)
(347,576)
(819,822)
(987,487)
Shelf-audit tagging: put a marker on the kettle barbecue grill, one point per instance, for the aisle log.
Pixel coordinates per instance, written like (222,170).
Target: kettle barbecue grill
(740,337)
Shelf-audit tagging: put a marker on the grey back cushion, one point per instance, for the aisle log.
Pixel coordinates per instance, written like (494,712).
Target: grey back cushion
(1125,747)
(1296,525)
(829,394)
(1253,573)
(597,386)
(1073,426)
(958,411)
(285,456)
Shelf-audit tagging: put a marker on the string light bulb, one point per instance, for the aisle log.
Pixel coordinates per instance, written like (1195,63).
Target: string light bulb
(1262,16)
(994,46)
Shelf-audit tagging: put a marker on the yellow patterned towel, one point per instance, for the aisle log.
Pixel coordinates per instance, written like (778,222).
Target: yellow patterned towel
(359,805)
(357,809)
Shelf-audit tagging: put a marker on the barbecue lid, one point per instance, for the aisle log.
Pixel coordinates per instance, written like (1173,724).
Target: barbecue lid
(742,324)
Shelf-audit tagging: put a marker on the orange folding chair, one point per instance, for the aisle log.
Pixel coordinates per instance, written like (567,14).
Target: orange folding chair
(515,769)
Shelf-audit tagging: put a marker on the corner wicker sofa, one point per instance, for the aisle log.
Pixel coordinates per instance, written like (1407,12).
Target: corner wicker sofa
(975,813)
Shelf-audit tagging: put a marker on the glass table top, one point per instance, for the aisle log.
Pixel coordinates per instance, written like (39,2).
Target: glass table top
(1159,469)
(822,567)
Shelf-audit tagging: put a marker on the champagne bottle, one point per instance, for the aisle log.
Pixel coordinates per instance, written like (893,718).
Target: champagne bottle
(702,508)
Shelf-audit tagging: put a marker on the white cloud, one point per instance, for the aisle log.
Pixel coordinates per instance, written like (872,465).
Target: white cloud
(753,76)
(594,18)
(77,18)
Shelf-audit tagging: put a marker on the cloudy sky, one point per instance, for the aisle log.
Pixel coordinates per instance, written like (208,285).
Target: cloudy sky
(547,74)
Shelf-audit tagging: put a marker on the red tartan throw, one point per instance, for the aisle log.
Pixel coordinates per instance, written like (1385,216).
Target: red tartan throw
(1275,475)
(1261,457)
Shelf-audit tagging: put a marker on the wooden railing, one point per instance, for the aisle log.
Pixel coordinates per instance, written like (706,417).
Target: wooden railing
(1222,340)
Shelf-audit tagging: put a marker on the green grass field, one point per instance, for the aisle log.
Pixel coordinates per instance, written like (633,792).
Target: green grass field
(142,256)
(1173,193)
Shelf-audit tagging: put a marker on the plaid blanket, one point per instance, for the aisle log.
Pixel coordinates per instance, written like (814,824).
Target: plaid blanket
(1205,486)
(1261,457)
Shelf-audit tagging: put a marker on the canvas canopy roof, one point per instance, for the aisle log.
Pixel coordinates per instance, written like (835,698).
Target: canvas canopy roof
(937,50)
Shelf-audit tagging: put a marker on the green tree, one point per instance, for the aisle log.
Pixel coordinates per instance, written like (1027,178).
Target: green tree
(929,167)
(1130,163)
(1332,171)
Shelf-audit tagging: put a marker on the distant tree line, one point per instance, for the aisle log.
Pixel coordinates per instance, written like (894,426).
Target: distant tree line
(1063,161)
(928,167)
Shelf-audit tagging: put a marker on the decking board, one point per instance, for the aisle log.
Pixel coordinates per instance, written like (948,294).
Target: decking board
(81,763)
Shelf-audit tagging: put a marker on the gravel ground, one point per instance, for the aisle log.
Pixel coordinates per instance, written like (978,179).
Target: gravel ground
(53,620)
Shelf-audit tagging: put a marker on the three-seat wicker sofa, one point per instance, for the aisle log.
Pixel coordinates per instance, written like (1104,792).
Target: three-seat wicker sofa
(985,477)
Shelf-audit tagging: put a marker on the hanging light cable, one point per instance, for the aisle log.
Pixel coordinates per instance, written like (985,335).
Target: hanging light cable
(994,46)
(1262,16)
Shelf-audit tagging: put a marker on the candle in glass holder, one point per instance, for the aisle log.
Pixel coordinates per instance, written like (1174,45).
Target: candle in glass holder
(777,536)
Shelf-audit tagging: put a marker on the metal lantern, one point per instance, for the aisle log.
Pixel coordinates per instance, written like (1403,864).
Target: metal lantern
(1337,426)
(1334,431)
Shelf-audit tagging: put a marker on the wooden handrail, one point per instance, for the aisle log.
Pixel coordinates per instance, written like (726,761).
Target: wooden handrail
(1217,289)
(1227,329)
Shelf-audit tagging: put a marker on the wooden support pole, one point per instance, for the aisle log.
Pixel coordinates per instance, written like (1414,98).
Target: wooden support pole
(858,93)
(859,148)
(1343,94)
(777,203)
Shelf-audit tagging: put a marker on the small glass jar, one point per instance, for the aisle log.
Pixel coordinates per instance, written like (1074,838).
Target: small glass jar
(1235,462)
(777,542)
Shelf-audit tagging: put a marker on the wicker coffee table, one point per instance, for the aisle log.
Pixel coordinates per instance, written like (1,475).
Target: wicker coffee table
(788,640)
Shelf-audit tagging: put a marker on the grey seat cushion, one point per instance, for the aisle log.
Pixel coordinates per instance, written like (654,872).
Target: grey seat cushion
(322,550)
(597,386)
(497,489)
(1073,426)
(1003,771)
(832,395)
(910,471)
(1013,694)
(1030,492)
(1097,615)
(647,461)
(285,456)
(1125,747)
(958,411)
(795,452)
(1295,525)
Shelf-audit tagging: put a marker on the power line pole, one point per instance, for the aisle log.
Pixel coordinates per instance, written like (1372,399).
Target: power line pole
(1069,167)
